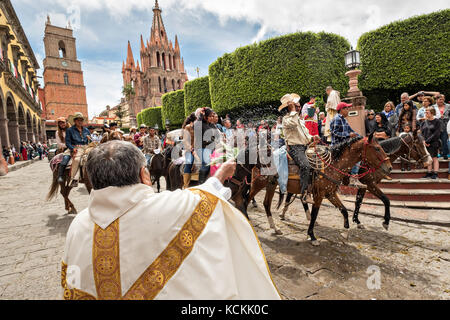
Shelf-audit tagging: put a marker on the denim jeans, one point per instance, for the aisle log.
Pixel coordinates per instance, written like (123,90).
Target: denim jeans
(205,156)
(297,153)
(444,139)
(355,169)
(149,158)
(189,162)
(65,160)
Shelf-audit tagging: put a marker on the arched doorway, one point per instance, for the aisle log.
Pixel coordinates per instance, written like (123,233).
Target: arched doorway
(29,127)
(35,130)
(22,124)
(4,138)
(13,125)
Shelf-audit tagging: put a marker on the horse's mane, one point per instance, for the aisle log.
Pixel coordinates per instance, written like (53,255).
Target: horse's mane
(391,145)
(337,150)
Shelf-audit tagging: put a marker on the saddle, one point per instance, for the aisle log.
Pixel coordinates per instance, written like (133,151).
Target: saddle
(59,157)
(319,160)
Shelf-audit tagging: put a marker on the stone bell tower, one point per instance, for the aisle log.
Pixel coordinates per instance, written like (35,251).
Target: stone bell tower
(64,89)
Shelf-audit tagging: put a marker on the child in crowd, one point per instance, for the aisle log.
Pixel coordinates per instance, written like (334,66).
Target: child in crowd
(404,164)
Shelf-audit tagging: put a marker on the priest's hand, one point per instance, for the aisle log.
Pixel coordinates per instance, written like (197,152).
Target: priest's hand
(226,170)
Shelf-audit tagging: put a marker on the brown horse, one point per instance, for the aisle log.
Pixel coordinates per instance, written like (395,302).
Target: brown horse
(406,146)
(65,189)
(344,156)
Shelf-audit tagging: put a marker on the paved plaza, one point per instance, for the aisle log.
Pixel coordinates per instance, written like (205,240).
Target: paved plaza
(412,257)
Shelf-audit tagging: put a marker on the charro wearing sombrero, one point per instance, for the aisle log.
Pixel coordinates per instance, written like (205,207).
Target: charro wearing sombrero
(77,140)
(297,139)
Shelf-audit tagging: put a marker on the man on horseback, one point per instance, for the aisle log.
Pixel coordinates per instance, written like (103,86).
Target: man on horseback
(151,143)
(341,132)
(297,139)
(77,140)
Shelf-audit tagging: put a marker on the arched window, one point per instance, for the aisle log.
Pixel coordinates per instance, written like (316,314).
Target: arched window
(164,61)
(170,62)
(66,79)
(165,85)
(174,64)
(158,60)
(150,85)
(179,84)
(159,81)
(62,49)
(173,84)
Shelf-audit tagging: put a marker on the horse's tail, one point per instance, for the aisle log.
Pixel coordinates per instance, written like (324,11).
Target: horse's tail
(280,200)
(54,187)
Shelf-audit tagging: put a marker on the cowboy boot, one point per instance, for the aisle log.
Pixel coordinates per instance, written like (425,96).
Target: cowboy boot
(61,169)
(186,180)
(202,176)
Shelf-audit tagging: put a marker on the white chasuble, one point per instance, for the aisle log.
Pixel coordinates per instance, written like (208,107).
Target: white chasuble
(131,243)
(332,102)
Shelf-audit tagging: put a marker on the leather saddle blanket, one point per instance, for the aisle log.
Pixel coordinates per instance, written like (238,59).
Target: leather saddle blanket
(59,157)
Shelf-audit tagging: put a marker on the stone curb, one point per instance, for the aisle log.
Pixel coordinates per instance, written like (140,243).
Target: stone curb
(21,164)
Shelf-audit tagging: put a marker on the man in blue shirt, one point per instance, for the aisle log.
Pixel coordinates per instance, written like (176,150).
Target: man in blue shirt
(339,127)
(77,140)
(341,132)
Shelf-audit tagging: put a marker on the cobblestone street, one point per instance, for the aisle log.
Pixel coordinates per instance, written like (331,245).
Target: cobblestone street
(413,257)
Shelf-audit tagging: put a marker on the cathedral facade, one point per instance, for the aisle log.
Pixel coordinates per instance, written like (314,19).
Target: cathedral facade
(161,68)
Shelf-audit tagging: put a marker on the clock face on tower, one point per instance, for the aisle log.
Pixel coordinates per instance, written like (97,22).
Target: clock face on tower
(64,64)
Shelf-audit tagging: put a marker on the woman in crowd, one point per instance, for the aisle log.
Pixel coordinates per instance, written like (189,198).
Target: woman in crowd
(23,151)
(407,114)
(382,129)
(443,113)
(406,165)
(391,116)
(426,102)
(431,131)
(61,134)
(370,122)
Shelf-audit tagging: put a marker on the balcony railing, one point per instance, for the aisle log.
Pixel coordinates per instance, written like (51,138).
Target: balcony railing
(26,89)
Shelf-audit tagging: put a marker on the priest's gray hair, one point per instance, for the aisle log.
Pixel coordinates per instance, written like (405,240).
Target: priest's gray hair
(115,164)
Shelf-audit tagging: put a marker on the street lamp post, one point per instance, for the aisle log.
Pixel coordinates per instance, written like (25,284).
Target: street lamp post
(356,115)
(352,62)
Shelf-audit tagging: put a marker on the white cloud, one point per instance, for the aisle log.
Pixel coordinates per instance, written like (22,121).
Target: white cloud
(103,81)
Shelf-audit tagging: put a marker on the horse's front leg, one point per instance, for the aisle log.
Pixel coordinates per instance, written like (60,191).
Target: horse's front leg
(334,199)
(270,191)
(387,204)
(286,206)
(158,185)
(314,214)
(359,199)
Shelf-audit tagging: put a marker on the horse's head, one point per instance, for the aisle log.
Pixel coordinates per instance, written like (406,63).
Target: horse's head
(374,156)
(418,150)
(116,135)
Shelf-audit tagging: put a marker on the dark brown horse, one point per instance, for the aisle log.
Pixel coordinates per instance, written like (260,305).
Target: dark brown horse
(156,169)
(406,146)
(65,189)
(343,157)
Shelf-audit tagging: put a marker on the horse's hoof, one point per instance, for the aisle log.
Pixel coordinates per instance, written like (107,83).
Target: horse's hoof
(315,243)
(278,232)
(308,215)
(385,226)
(282,218)
(345,234)
(255,205)
(361,226)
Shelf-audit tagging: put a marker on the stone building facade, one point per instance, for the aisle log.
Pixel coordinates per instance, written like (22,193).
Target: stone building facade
(64,89)
(20,107)
(161,68)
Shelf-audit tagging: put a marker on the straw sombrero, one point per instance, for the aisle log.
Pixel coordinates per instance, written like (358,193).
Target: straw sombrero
(77,115)
(292,97)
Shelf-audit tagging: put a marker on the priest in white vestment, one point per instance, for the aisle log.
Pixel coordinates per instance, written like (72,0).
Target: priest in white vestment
(133,243)
(332,102)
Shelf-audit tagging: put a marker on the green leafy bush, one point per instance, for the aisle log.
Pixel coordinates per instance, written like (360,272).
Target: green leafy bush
(173,108)
(196,95)
(406,56)
(252,79)
(150,117)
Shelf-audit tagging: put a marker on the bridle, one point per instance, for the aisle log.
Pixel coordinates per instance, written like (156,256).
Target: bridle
(409,151)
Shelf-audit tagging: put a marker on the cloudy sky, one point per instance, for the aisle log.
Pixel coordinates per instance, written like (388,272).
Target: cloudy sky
(206,29)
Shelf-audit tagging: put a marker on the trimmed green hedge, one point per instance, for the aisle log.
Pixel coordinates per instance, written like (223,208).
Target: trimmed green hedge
(406,56)
(173,108)
(196,95)
(255,77)
(150,117)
